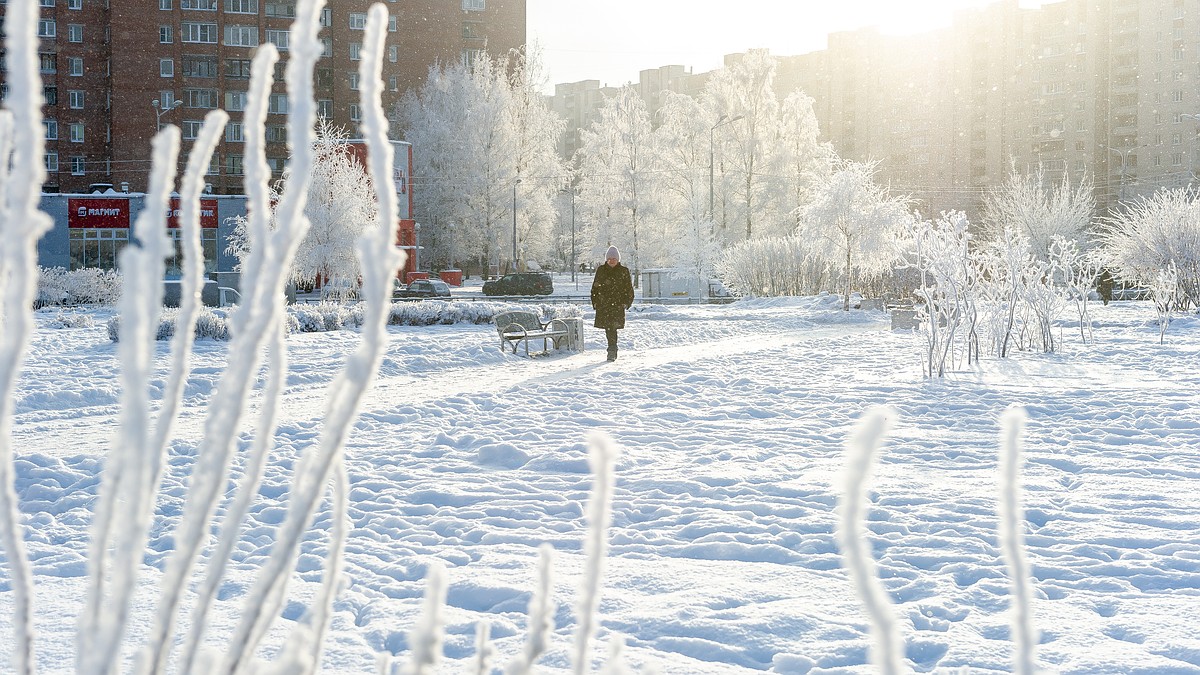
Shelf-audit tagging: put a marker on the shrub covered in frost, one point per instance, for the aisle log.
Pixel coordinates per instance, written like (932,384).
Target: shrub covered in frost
(58,286)
(69,319)
(210,323)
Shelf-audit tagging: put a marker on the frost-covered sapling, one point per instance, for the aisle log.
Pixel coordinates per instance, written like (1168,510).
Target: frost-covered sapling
(1155,233)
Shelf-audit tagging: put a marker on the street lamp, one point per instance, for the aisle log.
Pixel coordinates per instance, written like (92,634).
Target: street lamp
(574,260)
(721,121)
(160,111)
(514,251)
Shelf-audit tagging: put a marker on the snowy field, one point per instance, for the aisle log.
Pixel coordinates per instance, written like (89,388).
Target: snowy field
(732,422)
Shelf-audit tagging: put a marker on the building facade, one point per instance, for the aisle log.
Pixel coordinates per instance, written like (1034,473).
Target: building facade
(114,71)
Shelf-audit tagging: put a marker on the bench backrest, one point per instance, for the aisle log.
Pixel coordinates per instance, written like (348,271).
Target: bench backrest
(520,317)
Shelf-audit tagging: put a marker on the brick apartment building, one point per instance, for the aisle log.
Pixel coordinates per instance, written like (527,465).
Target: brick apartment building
(114,70)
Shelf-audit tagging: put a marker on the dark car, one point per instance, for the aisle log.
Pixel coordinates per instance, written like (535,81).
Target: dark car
(423,288)
(520,283)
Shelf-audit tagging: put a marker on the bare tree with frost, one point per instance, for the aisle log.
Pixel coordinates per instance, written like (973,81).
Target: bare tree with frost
(1154,234)
(854,223)
(941,254)
(1040,211)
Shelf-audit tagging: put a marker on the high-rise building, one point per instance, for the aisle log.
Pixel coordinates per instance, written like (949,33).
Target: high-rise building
(114,71)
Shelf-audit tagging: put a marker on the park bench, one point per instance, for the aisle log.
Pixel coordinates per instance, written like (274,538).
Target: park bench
(521,325)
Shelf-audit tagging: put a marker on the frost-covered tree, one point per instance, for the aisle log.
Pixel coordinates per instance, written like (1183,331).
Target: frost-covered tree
(1155,234)
(617,171)
(802,158)
(746,89)
(941,254)
(682,233)
(1039,210)
(854,223)
(340,204)
(772,267)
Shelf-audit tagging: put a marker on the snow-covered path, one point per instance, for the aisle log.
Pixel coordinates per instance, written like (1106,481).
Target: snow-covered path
(723,556)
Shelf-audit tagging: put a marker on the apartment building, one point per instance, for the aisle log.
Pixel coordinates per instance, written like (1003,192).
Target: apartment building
(1106,89)
(115,71)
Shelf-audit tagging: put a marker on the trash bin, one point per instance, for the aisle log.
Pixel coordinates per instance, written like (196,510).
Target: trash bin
(452,277)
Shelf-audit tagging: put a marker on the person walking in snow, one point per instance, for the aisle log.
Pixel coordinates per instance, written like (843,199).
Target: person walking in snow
(612,294)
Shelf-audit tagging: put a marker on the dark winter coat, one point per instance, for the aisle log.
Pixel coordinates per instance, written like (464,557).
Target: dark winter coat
(612,294)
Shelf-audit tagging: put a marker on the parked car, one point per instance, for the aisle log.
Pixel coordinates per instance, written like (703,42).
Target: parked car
(422,288)
(520,283)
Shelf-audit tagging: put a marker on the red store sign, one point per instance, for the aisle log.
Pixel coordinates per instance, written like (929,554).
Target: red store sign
(208,213)
(98,213)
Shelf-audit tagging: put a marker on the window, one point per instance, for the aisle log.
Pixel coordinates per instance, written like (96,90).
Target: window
(241,36)
(47,28)
(206,5)
(276,133)
(199,66)
(393,53)
(76,132)
(201,33)
(75,98)
(325,108)
(77,167)
(191,129)
(1176,139)
(276,164)
(1176,159)
(355,51)
(233,132)
(324,77)
(50,94)
(74,32)
(241,6)
(238,69)
(286,10)
(358,20)
(280,71)
(166,99)
(1177,96)
(235,101)
(200,98)
(233,165)
(278,104)
(96,246)
(470,56)
(327,44)
(326,17)
(391,24)
(393,83)
(474,5)
(73,4)
(46,3)
(166,67)
(48,63)
(279,38)
(75,66)
(164,4)
(51,129)
(354,81)
(214,165)
(52,162)
(472,30)
(355,112)
(164,35)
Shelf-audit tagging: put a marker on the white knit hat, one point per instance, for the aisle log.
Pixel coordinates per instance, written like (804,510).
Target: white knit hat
(613,253)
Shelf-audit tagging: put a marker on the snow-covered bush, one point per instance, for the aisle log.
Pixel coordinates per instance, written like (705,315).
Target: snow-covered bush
(772,267)
(1079,271)
(89,285)
(1040,212)
(68,319)
(1164,290)
(948,288)
(210,323)
(1154,234)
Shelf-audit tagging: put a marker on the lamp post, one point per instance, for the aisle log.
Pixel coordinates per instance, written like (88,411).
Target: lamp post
(160,110)
(574,258)
(514,250)
(417,247)
(721,121)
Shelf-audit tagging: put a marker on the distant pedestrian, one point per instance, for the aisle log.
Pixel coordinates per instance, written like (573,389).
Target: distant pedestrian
(612,294)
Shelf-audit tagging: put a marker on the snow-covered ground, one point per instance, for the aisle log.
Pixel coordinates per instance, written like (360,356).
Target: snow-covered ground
(732,422)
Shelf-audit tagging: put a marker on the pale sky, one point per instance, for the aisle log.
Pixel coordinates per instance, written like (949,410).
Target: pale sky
(611,40)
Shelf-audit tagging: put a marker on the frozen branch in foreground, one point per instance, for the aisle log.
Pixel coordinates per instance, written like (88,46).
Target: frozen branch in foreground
(602,458)
(21,225)
(1012,541)
(886,652)
(425,639)
(484,651)
(541,615)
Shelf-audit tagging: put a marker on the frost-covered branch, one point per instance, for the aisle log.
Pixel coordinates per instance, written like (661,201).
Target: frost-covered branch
(1012,541)
(129,483)
(541,615)
(21,225)
(602,458)
(425,639)
(886,650)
